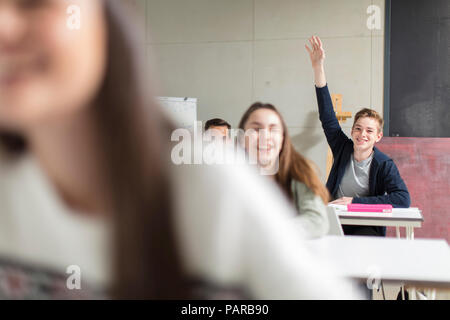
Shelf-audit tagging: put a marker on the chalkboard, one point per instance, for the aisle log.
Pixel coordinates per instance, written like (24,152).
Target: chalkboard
(419,68)
(424,164)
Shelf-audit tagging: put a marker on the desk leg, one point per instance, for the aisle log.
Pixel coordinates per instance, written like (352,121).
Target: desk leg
(397,232)
(431,294)
(382,290)
(412,294)
(410,236)
(427,294)
(410,233)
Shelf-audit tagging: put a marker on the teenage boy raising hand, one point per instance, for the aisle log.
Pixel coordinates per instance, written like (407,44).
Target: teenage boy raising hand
(360,173)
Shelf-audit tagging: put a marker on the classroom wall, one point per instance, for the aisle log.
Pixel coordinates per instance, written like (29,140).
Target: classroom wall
(231,53)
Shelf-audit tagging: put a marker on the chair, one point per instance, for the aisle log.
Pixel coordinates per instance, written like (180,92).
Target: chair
(335,224)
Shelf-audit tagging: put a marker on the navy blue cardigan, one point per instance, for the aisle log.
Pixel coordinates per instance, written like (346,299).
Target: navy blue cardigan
(385,184)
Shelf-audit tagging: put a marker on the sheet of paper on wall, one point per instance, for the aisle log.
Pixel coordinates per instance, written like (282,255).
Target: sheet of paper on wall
(183,111)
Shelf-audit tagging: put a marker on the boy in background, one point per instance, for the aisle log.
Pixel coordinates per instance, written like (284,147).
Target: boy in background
(360,173)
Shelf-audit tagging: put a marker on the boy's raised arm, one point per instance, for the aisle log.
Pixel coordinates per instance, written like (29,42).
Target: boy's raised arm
(333,131)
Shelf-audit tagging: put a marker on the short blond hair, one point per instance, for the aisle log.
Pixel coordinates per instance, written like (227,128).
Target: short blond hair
(369,113)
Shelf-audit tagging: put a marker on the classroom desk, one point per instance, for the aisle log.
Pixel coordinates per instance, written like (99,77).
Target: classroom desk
(422,263)
(409,219)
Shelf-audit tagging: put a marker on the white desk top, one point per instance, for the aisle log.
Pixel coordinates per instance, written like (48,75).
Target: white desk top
(422,262)
(399,217)
(407,214)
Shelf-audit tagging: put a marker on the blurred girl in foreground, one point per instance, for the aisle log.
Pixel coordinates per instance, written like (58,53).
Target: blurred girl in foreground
(86,180)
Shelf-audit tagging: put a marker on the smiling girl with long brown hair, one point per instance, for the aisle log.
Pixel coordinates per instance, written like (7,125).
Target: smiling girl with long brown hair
(294,174)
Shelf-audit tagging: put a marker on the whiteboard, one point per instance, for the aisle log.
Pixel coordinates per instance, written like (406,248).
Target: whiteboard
(183,111)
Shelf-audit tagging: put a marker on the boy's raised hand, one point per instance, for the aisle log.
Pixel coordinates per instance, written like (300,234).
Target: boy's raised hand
(316,52)
(317,55)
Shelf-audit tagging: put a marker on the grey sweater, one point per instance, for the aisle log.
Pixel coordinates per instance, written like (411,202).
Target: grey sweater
(312,211)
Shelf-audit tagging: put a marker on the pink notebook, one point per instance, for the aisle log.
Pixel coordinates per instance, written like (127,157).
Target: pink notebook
(357,207)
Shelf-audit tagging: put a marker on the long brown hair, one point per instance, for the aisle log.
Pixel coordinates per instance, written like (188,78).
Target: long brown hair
(292,165)
(134,137)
